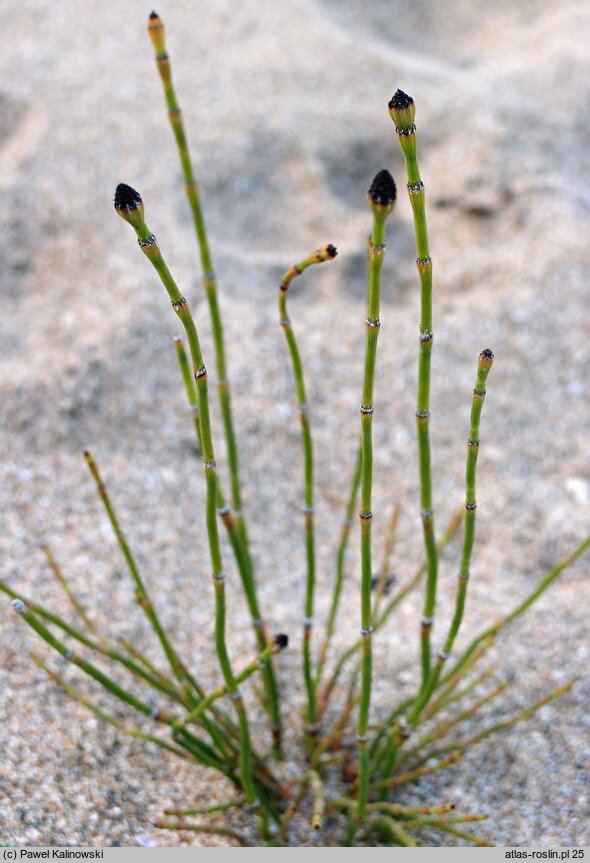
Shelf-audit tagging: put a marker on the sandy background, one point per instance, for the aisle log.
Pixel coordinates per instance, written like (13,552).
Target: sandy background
(286,107)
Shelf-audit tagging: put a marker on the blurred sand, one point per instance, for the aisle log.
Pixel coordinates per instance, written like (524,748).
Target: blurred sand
(285,106)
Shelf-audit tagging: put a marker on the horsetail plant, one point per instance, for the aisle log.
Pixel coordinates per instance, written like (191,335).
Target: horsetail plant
(381,197)
(129,206)
(326,253)
(157,34)
(403,113)
(486,358)
(355,756)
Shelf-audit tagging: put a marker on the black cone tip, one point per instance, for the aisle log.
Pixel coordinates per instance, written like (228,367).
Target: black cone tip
(281,640)
(331,250)
(487,354)
(383,189)
(400,101)
(153,15)
(126,198)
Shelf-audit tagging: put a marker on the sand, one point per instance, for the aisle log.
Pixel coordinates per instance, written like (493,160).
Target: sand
(286,109)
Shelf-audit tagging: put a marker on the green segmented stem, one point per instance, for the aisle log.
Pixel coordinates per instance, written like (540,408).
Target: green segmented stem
(193,401)
(465,742)
(63,583)
(326,253)
(206,828)
(319,799)
(402,112)
(444,827)
(272,702)
(448,693)
(142,596)
(157,34)
(388,610)
(447,819)
(381,581)
(130,207)
(157,682)
(336,731)
(393,808)
(206,810)
(394,829)
(239,533)
(442,728)
(484,365)
(240,677)
(532,597)
(207,755)
(411,775)
(132,650)
(340,560)
(82,699)
(376,249)
(90,669)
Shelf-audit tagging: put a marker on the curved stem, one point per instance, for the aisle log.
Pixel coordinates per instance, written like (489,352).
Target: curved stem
(526,603)
(272,703)
(142,595)
(326,253)
(157,34)
(239,535)
(149,246)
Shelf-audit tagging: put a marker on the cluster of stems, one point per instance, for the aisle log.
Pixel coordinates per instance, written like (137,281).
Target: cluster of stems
(375,756)
(129,205)
(157,35)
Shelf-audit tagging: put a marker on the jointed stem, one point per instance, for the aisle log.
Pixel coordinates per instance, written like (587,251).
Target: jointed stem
(466,742)
(484,365)
(63,583)
(418,773)
(340,558)
(203,828)
(532,597)
(326,253)
(157,35)
(402,113)
(90,669)
(197,747)
(388,610)
(272,691)
(255,665)
(156,681)
(319,799)
(129,205)
(129,730)
(382,582)
(142,595)
(207,810)
(447,691)
(443,728)
(444,827)
(381,199)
